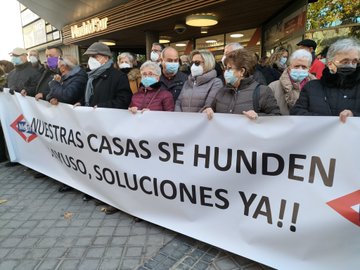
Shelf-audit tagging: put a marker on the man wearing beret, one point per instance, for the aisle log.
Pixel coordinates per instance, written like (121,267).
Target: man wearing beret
(317,66)
(106,86)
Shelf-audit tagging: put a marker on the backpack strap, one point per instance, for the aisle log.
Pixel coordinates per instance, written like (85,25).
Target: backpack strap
(256,98)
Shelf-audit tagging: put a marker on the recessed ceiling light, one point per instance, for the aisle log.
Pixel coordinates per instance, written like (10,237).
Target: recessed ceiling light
(210,41)
(162,41)
(204,30)
(180,44)
(236,35)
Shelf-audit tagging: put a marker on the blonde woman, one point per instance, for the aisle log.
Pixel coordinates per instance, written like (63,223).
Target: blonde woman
(202,85)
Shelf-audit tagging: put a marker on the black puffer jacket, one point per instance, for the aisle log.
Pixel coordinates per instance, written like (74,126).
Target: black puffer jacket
(174,84)
(330,95)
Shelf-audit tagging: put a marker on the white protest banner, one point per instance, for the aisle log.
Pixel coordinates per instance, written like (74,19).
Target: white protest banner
(283,191)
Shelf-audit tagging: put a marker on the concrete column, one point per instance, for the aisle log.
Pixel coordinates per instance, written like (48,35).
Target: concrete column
(151,37)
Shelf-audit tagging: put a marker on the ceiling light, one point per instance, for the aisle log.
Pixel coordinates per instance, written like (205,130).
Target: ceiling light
(236,35)
(210,41)
(180,44)
(108,42)
(204,30)
(164,39)
(201,19)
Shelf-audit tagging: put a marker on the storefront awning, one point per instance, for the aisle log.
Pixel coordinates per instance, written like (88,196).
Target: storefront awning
(62,12)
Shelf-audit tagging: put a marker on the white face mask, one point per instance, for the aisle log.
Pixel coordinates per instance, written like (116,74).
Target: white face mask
(154,56)
(196,70)
(124,65)
(93,63)
(33,59)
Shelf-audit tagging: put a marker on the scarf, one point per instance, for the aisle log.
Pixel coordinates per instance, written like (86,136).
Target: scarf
(72,72)
(93,75)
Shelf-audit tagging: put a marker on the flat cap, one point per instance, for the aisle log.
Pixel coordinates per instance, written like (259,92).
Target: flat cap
(98,48)
(308,43)
(18,51)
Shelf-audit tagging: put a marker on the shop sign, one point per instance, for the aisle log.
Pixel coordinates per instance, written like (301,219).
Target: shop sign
(89,27)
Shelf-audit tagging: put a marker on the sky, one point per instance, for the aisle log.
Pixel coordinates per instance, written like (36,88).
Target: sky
(10,28)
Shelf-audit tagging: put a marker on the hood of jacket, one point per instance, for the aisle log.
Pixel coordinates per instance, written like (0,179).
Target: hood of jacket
(202,79)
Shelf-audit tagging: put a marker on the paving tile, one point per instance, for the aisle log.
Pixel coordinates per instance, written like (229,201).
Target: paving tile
(8,264)
(48,264)
(89,264)
(109,264)
(95,252)
(69,265)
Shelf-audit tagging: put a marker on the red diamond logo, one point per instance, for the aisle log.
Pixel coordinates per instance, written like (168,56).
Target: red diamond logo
(23,129)
(344,204)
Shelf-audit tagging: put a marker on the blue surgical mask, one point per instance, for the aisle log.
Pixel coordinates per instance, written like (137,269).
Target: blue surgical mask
(147,81)
(16,60)
(171,67)
(298,75)
(283,60)
(229,76)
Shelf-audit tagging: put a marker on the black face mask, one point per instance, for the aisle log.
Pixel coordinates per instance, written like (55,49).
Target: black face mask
(346,70)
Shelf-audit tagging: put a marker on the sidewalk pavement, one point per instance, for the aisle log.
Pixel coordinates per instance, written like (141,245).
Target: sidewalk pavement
(41,228)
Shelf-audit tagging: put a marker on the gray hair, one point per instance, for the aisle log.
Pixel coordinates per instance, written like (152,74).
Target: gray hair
(127,55)
(234,46)
(342,45)
(69,61)
(300,54)
(153,66)
(209,60)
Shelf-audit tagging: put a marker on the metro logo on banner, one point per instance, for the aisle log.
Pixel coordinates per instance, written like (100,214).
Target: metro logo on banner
(23,129)
(343,206)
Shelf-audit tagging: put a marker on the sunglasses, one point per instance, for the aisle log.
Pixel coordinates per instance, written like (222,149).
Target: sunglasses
(197,63)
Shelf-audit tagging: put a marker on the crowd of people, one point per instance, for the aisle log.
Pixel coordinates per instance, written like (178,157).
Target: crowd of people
(283,84)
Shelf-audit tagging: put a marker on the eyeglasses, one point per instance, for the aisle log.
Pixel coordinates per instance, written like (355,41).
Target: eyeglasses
(347,61)
(197,63)
(148,74)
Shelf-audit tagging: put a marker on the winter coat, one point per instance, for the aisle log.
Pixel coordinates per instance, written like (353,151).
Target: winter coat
(134,78)
(230,100)
(71,88)
(43,84)
(154,98)
(23,76)
(317,68)
(174,84)
(286,91)
(271,73)
(111,90)
(198,92)
(330,95)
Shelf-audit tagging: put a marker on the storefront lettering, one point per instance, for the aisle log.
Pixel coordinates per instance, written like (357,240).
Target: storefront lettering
(89,27)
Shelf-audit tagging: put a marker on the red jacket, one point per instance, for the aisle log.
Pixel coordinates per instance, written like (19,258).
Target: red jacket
(153,98)
(317,68)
